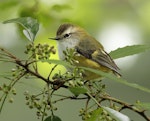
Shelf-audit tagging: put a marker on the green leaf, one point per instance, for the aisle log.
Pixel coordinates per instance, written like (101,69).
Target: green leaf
(31,26)
(116,115)
(115,78)
(95,115)
(5,5)
(59,8)
(59,62)
(78,90)
(128,50)
(145,106)
(52,118)
(101,73)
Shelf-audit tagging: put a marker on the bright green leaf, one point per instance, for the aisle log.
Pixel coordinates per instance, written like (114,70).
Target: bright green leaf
(116,115)
(52,118)
(95,115)
(31,26)
(8,4)
(128,50)
(78,90)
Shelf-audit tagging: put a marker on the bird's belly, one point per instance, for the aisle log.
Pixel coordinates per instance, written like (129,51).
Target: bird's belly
(85,62)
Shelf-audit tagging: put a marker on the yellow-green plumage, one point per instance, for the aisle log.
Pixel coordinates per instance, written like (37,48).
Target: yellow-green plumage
(90,52)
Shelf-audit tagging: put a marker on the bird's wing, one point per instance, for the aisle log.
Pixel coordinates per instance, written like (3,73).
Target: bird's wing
(104,59)
(96,53)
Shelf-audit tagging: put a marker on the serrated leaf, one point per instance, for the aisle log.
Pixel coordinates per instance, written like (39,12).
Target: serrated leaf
(114,78)
(116,115)
(52,118)
(95,115)
(30,25)
(78,90)
(128,50)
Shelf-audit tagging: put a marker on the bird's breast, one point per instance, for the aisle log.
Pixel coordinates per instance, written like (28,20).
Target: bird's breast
(66,44)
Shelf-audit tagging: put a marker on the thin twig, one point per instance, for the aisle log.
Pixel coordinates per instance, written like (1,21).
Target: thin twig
(93,99)
(68,97)
(10,85)
(25,66)
(52,71)
(8,53)
(126,105)
(14,59)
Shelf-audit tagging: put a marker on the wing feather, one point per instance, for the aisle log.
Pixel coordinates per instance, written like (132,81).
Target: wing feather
(104,59)
(95,52)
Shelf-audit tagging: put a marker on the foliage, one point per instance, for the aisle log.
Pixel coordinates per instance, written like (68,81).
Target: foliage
(93,92)
(30,25)
(128,50)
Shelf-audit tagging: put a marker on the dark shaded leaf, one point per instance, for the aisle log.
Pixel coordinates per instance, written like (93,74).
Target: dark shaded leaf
(52,118)
(78,90)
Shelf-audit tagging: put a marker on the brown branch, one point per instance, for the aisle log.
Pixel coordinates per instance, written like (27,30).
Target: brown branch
(28,70)
(69,97)
(60,83)
(8,54)
(126,106)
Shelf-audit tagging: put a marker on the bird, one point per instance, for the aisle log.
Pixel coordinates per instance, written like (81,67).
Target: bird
(90,52)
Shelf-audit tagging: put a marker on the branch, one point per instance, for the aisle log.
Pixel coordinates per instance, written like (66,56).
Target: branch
(63,97)
(28,70)
(11,85)
(59,83)
(126,105)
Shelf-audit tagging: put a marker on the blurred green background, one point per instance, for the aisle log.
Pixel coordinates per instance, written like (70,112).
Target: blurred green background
(115,23)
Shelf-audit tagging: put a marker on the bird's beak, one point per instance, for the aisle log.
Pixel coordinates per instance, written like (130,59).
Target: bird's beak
(55,38)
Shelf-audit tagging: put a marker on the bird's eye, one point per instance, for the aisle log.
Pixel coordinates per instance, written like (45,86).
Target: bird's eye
(66,35)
